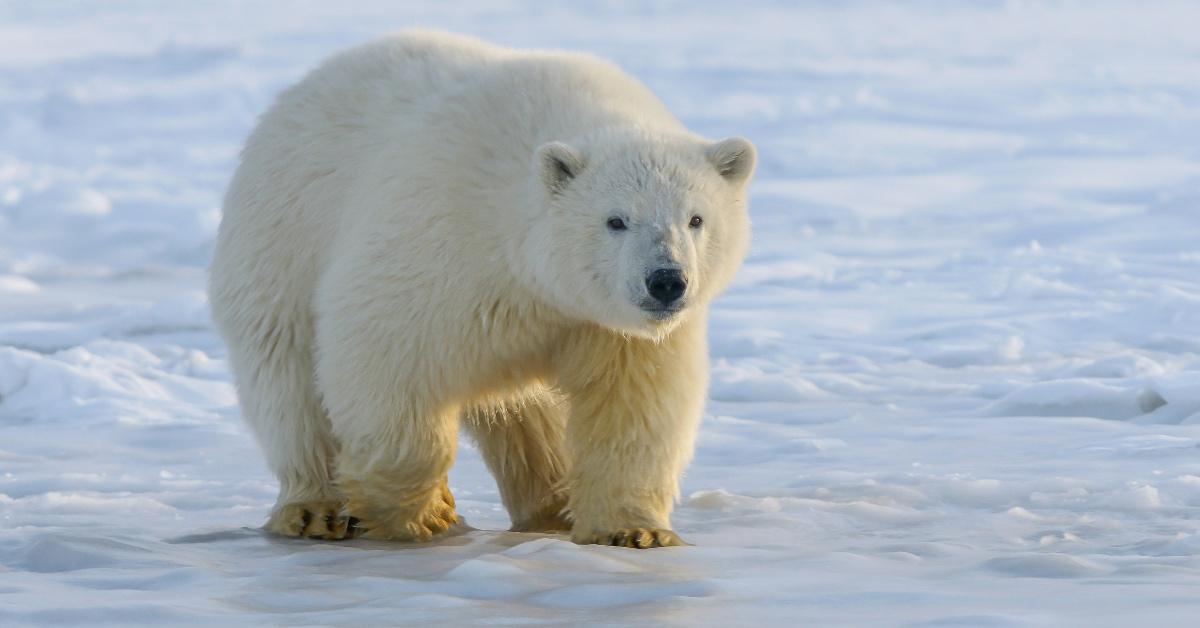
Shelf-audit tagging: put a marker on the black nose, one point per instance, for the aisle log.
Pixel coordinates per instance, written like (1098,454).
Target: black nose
(666,285)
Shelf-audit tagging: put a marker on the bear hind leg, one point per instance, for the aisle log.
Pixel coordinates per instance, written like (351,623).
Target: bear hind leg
(522,443)
(278,397)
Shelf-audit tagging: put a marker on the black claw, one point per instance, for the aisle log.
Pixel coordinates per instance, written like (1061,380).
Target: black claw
(305,519)
(352,525)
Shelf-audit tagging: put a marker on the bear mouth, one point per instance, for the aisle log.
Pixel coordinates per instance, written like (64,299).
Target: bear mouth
(660,312)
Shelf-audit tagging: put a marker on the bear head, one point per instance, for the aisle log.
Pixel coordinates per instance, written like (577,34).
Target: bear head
(635,232)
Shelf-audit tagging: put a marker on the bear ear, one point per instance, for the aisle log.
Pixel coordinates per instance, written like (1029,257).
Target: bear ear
(557,164)
(733,158)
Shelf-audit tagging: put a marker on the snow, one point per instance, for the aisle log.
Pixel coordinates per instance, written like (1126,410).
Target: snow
(957,382)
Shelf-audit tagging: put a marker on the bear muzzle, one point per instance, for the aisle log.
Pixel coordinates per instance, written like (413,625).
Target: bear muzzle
(666,287)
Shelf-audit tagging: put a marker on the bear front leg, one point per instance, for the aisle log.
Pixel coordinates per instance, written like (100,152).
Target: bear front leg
(406,498)
(635,407)
(397,434)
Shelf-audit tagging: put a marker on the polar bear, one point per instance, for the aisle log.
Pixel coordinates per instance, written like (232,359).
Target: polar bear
(430,231)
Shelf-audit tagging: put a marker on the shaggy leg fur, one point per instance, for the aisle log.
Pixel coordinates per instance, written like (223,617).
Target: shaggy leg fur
(522,444)
(272,362)
(395,480)
(635,406)
(387,401)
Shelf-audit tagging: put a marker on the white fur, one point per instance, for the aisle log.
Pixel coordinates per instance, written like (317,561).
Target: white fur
(421,225)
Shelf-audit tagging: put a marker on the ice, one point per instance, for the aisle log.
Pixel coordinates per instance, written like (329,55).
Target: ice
(1078,397)
(1044,566)
(956,383)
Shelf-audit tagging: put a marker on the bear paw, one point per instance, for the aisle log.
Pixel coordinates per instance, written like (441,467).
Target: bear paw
(551,518)
(314,520)
(640,538)
(549,523)
(436,517)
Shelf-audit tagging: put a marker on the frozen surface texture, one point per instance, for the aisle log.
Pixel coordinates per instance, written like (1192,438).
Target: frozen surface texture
(957,382)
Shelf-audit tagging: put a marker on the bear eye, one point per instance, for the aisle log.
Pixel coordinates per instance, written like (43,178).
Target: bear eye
(696,222)
(616,224)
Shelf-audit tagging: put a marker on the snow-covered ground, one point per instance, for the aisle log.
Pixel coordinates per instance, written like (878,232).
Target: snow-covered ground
(956,383)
